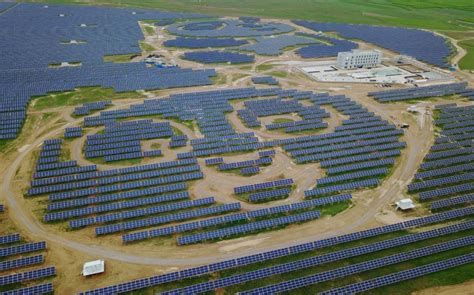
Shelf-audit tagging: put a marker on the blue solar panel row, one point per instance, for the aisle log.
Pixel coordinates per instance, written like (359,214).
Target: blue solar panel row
(249,227)
(24,248)
(269,195)
(317,141)
(438,182)
(263,186)
(403,275)
(180,216)
(275,44)
(165,231)
(418,92)
(268,80)
(441,204)
(119,196)
(321,191)
(214,161)
(360,158)
(249,171)
(446,191)
(184,42)
(268,153)
(8,239)
(125,186)
(61,215)
(37,289)
(444,171)
(123,215)
(351,176)
(64,171)
(165,174)
(86,108)
(21,262)
(360,166)
(342,146)
(123,174)
(358,268)
(209,57)
(27,276)
(174,276)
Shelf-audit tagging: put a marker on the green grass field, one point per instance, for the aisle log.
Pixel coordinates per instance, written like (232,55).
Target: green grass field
(467,62)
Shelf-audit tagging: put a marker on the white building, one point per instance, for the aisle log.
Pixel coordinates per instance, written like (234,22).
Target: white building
(356,59)
(93,267)
(405,204)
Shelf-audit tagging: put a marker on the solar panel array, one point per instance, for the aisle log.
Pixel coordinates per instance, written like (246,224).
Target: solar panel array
(37,289)
(209,57)
(268,80)
(326,258)
(447,172)
(403,275)
(122,140)
(151,210)
(73,132)
(76,34)
(163,219)
(265,256)
(420,44)
(244,164)
(21,262)
(269,195)
(8,239)
(245,228)
(232,218)
(327,48)
(14,254)
(418,92)
(359,267)
(263,186)
(275,45)
(228,28)
(184,42)
(87,108)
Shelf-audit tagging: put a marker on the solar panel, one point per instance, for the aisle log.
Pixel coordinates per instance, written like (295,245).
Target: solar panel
(8,239)
(38,289)
(435,218)
(403,275)
(356,268)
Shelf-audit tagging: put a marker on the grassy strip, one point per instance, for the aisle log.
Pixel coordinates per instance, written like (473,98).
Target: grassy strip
(467,62)
(79,96)
(120,58)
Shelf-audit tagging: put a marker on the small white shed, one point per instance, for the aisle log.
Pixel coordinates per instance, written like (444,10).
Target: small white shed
(405,204)
(93,267)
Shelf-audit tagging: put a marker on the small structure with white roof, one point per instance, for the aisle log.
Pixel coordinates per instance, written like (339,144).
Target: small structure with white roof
(93,267)
(405,204)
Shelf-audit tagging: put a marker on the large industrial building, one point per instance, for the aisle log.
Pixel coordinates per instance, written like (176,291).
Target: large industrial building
(356,59)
